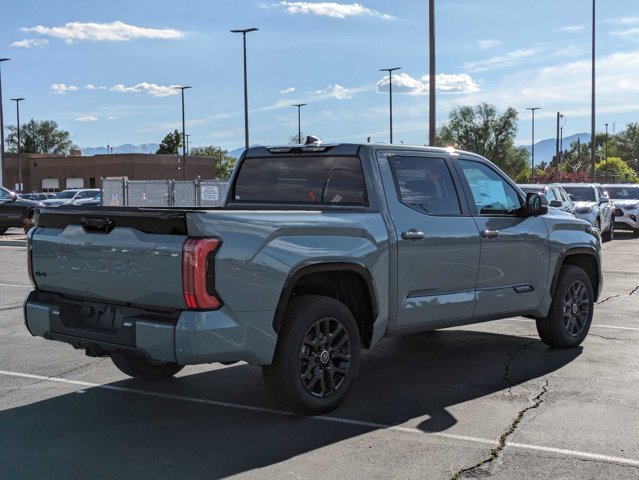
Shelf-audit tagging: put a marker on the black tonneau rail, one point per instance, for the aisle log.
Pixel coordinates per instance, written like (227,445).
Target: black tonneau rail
(163,221)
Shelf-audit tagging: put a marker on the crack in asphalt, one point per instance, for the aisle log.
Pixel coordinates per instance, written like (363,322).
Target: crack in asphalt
(511,357)
(608,298)
(494,453)
(632,292)
(608,338)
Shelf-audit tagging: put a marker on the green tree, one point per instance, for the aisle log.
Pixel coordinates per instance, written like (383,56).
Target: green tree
(618,170)
(481,130)
(171,144)
(224,162)
(297,139)
(39,137)
(626,145)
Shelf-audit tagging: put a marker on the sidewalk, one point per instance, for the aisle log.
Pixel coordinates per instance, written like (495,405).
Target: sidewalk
(14,237)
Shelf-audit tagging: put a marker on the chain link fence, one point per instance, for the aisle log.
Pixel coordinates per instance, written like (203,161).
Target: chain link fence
(163,193)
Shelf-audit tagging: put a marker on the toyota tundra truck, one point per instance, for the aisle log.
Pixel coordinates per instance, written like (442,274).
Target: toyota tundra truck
(319,252)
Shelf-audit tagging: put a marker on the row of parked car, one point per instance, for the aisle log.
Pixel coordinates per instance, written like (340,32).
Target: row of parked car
(606,207)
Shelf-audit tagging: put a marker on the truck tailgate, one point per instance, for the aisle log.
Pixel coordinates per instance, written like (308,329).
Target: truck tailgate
(117,255)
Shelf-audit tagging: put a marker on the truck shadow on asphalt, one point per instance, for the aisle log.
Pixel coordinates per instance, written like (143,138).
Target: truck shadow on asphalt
(100,433)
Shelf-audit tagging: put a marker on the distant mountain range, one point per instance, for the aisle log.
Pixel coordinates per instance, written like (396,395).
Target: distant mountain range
(126,148)
(544,149)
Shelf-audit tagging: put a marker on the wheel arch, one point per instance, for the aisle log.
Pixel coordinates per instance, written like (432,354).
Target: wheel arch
(350,283)
(585,258)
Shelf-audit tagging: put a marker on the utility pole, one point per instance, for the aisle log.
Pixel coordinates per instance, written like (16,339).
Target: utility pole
(557,147)
(184,152)
(606,153)
(299,121)
(1,128)
(431,73)
(592,102)
(18,100)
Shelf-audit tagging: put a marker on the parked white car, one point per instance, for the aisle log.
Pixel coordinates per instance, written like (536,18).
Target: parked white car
(69,197)
(593,205)
(626,200)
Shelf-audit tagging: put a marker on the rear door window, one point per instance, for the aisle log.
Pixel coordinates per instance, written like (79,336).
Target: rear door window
(425,184)
(302,179)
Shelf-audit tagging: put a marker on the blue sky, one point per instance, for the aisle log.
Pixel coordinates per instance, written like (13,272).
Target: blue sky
(103,69)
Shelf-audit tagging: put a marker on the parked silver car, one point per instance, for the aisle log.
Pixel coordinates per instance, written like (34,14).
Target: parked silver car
(556,195)
(626,200)
(593,205)
(69,197)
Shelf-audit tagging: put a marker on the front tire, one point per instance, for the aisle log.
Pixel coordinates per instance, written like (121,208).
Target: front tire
(317,355)
(139,367)
(570,314)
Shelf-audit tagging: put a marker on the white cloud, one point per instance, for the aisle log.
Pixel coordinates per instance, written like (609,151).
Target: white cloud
(61,88)
(333,9)
(501,61)
(335,91)
(30,43)
(103,32)
(111,117)
(86,118)
(288,90)
(101,87)
(445,83)
(622,20)
(89,86)
(572,28)
(486,44)
(629,32)
(151,88)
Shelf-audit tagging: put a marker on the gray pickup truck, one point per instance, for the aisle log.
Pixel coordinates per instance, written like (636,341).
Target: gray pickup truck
(318,252)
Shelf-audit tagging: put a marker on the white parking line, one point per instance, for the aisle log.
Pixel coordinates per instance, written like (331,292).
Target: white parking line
(591,326)
(359,423)
(13,285)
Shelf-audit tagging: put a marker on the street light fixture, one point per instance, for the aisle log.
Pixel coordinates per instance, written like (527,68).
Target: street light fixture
(184,152)
(532,171)
(299,120)
(18,100)
(1,127)
(390,96)
(246,125)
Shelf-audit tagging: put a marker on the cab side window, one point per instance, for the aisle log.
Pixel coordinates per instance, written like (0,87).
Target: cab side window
(491,193)
(425,184)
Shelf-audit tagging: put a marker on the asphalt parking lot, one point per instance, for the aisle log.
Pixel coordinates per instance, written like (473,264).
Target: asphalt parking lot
(487,400)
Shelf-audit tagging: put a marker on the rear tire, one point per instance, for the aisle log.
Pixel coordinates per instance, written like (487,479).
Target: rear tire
(570,314)
(139,367)
(610,234)
(317,355)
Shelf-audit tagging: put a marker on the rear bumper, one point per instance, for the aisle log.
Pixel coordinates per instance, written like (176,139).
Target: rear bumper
(183,337)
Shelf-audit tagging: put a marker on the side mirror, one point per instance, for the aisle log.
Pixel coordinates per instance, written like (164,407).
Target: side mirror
(556,203)
(536,204)
(603,200)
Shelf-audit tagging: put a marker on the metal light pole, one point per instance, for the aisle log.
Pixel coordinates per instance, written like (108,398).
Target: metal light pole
(246,124)
(592,101)
(187,143)
(557,146)
(1,127)
(299,120)
(606,153)
(183,135)
(561,138)
(431,75)
(18,100)
(532,165)
(390,96)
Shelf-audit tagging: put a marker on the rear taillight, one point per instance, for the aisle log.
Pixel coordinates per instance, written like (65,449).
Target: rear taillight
(30,260)
(198,273)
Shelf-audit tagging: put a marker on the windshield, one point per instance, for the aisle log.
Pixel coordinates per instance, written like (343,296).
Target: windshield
(67,194)
(581,194)
(623,193)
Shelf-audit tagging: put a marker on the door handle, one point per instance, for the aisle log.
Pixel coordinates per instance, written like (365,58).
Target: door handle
(489,233)
(412,234)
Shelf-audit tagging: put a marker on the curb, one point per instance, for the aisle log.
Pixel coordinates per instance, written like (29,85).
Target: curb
(13,243)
